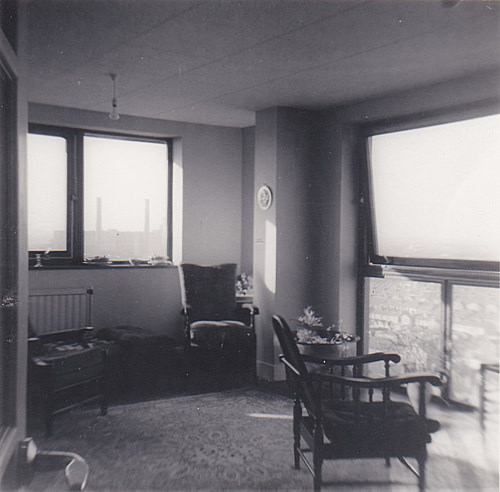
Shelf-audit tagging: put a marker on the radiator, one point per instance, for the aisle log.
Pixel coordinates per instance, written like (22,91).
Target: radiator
(53,310)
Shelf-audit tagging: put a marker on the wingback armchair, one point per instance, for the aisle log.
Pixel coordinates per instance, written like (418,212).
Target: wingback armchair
(219,333)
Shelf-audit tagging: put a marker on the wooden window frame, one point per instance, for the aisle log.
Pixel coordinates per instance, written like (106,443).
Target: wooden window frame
(74,253)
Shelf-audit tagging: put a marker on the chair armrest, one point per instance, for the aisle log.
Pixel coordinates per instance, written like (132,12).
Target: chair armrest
(419,377)
(350,361)
(246,313)
(39,363)
(378,383)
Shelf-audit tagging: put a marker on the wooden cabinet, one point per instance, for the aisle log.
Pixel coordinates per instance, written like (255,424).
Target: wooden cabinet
(63,378)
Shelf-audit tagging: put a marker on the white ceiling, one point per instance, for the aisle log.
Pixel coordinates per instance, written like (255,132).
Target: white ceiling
(219,61)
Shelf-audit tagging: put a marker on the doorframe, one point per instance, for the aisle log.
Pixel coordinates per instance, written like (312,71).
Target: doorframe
(15,262)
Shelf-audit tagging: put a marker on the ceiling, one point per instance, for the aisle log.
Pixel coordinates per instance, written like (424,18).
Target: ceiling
(219,61)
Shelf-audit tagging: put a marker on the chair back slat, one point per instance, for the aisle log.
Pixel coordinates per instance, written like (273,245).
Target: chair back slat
(298,372)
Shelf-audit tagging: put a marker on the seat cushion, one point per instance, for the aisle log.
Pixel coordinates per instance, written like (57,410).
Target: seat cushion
(219,334)
(365,429)
(126,335)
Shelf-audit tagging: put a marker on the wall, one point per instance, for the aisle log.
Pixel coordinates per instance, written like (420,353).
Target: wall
(247,199)
(145,297)
(286,264)
(211,163)
(298,169)
(264,236)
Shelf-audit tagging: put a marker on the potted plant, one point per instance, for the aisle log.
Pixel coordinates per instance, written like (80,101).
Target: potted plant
(313,338)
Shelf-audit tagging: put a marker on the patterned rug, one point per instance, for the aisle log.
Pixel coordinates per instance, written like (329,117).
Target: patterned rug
(234,440)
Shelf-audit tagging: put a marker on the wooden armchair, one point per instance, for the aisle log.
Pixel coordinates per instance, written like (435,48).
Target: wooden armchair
(352,423)
(219,333)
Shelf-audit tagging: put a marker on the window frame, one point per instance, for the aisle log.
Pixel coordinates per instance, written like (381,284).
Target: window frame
(369,257)
(447,273)
(74,254)
(73,176)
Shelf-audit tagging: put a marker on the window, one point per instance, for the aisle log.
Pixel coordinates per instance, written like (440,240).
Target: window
(431,246)
(443,327)
(125,189)
(98,195)
(434,193)
(47,211)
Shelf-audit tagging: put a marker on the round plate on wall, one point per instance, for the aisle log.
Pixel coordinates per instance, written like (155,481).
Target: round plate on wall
(264,197)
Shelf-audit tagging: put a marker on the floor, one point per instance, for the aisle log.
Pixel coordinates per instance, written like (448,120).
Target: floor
(462,439)
(460,443)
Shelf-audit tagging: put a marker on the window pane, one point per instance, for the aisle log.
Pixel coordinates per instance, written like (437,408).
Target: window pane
(47,192)
(435,191)
(126,187)
(405,318)
(475,325)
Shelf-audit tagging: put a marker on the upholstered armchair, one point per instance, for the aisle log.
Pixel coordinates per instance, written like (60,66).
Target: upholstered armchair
(219,333)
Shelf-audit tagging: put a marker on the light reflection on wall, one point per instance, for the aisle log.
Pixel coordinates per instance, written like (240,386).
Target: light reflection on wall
(270,256)
(177,199)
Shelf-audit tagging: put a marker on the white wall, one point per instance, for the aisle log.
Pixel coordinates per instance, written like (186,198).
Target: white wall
(211,161)
(264,247)
(144,297)
(286,262)
(248,154)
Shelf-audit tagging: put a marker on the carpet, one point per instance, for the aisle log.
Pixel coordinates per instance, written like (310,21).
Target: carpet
(233,440)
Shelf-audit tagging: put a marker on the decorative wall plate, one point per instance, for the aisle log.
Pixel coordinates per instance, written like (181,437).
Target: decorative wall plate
(264,197)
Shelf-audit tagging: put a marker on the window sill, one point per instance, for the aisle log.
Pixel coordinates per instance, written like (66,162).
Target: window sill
(437,274)
(87,266)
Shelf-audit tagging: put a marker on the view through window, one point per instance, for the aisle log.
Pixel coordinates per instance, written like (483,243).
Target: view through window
(126,189)
(407,317)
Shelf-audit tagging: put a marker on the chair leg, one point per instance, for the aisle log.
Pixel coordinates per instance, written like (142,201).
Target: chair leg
(421,474)
(317,463)
(297,416)
(317,452)
(49,416)
(388,462)
(104,406)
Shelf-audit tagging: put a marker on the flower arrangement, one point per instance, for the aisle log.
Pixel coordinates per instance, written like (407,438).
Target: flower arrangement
(311,330)
(243,284)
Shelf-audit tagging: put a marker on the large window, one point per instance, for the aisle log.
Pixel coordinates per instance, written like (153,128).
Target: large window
(434,192)
(432,247)
(98,197)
